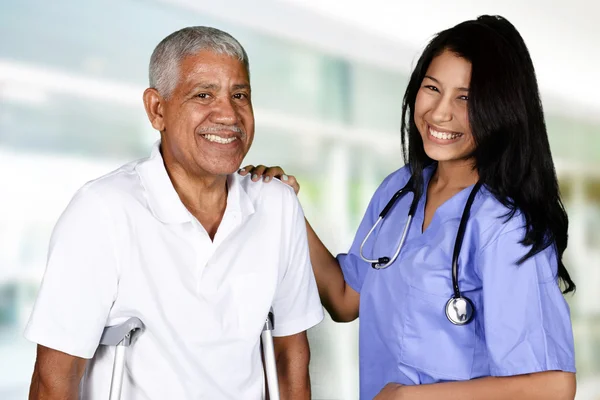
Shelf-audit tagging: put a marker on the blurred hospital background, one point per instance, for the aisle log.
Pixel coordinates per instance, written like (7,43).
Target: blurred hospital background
(328,79)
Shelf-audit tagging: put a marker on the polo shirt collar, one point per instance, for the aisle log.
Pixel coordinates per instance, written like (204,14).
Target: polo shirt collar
(163,200)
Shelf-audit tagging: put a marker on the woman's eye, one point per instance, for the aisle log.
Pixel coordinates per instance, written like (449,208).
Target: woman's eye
(432,88)
(465,98)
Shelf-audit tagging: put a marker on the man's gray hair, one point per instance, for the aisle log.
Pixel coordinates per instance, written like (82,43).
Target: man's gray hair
(167,56)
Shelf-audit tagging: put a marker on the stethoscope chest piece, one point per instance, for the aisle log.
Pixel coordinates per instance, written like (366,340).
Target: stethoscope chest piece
(460,310)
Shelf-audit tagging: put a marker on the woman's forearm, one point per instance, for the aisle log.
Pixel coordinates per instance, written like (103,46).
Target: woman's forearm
(551,385)
(340,301)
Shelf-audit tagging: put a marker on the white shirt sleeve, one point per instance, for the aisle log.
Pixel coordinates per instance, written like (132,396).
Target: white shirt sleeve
(81,278)
(297,306)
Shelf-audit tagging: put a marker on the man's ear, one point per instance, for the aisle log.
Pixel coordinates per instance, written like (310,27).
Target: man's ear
(155,105)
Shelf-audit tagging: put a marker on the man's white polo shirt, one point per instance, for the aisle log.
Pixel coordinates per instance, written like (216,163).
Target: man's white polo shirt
(127,246)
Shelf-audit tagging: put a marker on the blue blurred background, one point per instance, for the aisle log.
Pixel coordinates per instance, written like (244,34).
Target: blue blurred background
(328,79)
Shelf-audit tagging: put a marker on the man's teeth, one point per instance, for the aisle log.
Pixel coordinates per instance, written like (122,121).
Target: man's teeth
(444,135)
(219,139)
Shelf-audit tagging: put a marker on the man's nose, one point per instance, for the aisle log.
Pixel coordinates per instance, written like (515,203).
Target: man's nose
(224,112)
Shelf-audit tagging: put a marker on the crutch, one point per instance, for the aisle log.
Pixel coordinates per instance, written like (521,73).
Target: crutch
(121,336)
(125,334)
(269,357)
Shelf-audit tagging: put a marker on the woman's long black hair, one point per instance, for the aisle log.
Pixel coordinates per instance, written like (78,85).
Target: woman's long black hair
(512,152)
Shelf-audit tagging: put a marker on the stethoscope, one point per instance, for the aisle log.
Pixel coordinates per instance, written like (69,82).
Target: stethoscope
(459,309)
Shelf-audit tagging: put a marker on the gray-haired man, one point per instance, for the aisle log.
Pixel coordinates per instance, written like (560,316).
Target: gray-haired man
(177,239)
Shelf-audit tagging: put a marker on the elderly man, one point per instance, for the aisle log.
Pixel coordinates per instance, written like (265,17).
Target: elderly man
(197,252)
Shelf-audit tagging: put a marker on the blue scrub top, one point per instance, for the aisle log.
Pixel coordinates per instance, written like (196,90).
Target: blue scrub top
(521,324)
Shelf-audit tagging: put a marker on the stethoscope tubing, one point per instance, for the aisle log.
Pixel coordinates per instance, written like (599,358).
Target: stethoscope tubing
(385,262)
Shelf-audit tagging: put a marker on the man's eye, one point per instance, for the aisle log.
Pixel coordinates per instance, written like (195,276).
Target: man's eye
(240,96)
(203,95)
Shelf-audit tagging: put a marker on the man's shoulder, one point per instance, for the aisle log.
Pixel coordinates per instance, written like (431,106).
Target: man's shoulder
(274,192)
(113,189)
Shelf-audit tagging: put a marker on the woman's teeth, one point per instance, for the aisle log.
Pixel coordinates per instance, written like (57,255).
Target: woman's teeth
(219,139)
(444,135)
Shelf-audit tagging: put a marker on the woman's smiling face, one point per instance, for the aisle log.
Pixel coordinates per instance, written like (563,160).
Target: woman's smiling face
(441,113)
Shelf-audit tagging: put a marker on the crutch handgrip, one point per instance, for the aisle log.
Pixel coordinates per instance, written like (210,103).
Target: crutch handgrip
(269,356)
(270,322)
(121,336)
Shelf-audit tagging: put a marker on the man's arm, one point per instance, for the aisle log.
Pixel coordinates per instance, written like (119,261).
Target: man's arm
(75,297)
(338,298)
(292,355)
(56,375)
(550,385)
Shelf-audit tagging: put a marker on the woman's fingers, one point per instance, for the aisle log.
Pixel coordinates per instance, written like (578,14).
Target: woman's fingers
(245,170)
(257,172)
(291,180)
(261,171)
(268,173)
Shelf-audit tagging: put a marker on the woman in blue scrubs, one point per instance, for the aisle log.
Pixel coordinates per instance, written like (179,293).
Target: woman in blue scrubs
(471,113)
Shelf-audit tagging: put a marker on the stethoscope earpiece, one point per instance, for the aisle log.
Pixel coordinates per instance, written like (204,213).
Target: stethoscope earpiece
(382,263)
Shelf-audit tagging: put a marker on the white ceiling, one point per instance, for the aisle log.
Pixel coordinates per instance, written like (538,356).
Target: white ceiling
(563,36)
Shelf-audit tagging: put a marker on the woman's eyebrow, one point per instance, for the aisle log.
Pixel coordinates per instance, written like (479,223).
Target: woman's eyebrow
(462,89)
